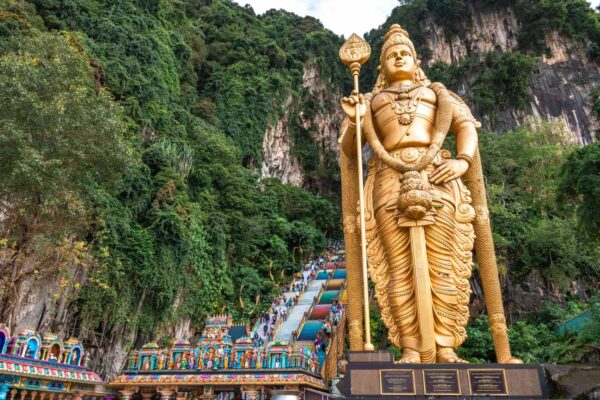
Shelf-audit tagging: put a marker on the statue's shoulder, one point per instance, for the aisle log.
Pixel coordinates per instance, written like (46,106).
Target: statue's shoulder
(428,95)
(378,100)
(462,112)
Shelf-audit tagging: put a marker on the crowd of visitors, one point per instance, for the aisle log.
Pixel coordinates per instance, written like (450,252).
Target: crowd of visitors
(282,304)
(277,313)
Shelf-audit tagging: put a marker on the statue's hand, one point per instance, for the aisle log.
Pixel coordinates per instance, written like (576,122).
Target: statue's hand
(349,106)
(449,170)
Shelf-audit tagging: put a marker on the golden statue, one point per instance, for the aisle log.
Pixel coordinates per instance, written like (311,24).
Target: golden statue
(420,220)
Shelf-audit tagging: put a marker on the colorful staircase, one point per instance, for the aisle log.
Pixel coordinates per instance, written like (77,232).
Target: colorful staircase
(296,314)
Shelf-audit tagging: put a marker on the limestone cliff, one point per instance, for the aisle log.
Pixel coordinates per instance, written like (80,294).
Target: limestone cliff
(314,112)
(326,121)
(561,85)
(277,162)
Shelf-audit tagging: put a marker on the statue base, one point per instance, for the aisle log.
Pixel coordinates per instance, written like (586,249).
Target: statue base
(374,375)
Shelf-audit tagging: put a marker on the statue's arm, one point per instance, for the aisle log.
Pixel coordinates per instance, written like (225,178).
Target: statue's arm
(466,139)
(464,126)
(347,139)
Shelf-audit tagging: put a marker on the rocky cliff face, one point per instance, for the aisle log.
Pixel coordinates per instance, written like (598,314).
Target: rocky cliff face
(279,159)
(560,88)
(46,304)
(491,31)
(278,162)
(326,122)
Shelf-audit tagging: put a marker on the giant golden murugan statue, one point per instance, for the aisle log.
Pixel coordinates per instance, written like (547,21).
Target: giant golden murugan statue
(420,219)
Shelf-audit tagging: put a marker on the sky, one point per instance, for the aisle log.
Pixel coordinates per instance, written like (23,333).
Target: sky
(343,17)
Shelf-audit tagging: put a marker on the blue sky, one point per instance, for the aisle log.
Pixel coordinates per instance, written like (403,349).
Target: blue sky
(343,17)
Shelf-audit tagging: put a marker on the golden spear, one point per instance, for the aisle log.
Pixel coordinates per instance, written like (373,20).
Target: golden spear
(355,52)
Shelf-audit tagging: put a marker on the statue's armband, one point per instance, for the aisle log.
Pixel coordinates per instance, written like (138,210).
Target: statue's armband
(461,115)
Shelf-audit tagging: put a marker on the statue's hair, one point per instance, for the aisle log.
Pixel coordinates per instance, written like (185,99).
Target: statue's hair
(396,36)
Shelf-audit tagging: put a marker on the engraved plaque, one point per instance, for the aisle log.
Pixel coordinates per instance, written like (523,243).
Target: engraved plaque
(441,381)
(488,381)
(397,381)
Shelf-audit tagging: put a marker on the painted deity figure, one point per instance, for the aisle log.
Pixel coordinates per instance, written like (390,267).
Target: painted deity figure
(259,360)
(226,361)
(247,359)
(219,362)
(418,215)
(146,364)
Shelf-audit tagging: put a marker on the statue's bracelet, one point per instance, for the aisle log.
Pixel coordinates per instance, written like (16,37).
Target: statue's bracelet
(352,124)
(465,157)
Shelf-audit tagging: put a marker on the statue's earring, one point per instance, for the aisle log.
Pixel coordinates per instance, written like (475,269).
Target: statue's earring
(418,76)
(380,83)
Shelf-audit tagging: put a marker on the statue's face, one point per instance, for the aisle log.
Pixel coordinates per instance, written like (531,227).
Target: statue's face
(399,63)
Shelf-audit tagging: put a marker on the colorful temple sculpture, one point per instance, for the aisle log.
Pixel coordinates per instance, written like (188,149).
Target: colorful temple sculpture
(34,367)
(292,349)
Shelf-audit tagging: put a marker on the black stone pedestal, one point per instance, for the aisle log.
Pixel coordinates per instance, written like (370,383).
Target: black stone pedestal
(374,375)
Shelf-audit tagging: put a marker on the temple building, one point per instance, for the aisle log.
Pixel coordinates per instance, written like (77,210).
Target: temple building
(34,367)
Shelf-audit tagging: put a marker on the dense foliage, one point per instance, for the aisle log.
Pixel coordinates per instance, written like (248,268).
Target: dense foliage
(580,187)
(535,340)
(573,18)
(498,81)
(58,134)
(532,230)
(125,140)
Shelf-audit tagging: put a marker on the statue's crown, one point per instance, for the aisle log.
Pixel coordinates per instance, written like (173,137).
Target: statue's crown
(395,29)
(396,35)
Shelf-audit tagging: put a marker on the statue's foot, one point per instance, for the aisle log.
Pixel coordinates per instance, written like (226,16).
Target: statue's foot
(410,356)
(448,355)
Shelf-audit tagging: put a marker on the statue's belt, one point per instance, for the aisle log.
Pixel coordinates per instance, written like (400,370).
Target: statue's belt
(408,155)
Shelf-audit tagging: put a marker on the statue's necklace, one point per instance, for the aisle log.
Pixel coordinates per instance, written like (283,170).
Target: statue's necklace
(406,110)
(403,89)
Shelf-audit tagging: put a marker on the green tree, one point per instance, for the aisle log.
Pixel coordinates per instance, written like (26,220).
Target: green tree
(58,132)
(580,186)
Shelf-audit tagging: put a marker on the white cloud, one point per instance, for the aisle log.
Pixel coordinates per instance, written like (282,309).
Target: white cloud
(343,17)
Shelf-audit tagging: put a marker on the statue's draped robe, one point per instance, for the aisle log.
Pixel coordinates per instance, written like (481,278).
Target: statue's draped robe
(449,254)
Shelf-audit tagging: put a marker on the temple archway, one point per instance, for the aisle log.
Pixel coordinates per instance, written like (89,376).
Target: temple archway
(76,356)
(32,348)
(54,352)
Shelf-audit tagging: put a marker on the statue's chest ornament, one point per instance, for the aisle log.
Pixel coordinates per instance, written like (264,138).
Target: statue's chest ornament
(404,104)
